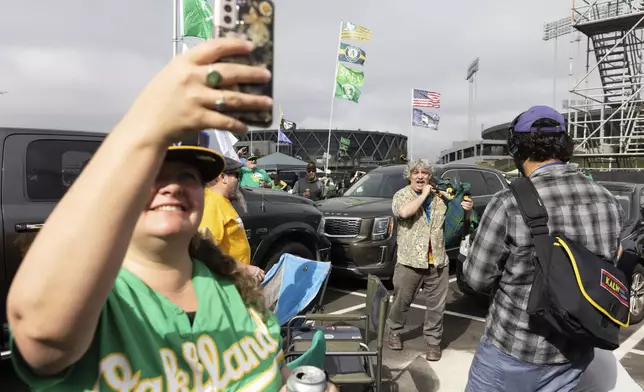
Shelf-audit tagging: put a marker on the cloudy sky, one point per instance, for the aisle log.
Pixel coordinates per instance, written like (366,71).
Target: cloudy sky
(78,64)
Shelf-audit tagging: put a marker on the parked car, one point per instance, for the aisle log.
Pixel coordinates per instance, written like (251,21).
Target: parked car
(38,166)
(278,222)
(631,198)
(360,224)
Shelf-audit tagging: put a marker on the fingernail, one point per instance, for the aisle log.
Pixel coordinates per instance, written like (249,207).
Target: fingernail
(268,73)
(268,100)
(250,45)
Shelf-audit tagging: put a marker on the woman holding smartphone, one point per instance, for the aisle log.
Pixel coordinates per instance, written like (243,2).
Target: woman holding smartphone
(118,291)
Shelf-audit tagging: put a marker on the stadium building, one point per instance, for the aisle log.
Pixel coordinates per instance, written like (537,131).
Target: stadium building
(360,148)
(492,149)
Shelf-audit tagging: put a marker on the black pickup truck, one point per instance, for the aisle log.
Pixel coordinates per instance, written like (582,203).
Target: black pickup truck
(39,165)
(361,226)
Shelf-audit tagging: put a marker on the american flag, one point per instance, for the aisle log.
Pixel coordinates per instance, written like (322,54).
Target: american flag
(426,99)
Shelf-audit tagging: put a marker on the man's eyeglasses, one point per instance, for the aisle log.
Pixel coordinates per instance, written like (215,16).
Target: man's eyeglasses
(310,170)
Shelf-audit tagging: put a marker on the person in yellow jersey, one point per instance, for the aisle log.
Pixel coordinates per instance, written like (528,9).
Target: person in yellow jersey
(222,223)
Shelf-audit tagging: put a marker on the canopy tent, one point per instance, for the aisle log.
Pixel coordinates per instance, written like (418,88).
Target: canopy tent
(281,162)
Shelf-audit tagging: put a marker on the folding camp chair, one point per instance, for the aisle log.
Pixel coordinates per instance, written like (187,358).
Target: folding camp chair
(295,285)
(349,360)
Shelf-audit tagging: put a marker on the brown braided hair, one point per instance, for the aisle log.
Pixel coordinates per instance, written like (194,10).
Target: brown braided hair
(221,264)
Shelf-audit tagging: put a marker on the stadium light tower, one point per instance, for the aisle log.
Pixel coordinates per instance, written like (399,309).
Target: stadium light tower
(472,70)
(554,30)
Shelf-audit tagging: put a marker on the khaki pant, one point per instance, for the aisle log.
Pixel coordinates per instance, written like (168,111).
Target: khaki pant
(434,282)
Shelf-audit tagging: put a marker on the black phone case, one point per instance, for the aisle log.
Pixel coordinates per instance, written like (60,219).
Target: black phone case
(256,24)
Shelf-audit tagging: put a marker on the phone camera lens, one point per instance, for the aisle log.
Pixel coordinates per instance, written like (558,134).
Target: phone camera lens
(228,8)
(228,19)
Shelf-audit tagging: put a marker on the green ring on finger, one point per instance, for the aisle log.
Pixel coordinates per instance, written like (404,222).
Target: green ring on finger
(213,78)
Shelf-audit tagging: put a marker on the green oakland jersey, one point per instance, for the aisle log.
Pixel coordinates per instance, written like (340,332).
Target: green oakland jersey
(145,343)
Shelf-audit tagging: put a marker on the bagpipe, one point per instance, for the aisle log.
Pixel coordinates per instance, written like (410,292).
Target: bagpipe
(456,226)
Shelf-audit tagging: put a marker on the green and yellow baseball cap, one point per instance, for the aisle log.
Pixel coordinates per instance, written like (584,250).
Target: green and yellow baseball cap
(195,153)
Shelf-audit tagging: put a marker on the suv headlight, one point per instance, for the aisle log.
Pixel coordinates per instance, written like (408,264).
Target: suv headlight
(382,228)
(321,226)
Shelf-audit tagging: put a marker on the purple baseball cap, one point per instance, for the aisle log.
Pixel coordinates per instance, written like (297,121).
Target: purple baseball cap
(546,118)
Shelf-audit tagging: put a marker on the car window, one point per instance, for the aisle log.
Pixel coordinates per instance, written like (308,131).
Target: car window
(377,184)
(53,165)
(625,203)
(478,187)
(493,182)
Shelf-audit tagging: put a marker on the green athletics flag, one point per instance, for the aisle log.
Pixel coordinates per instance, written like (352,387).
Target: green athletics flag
(197,19)
(348,82)
(344,143)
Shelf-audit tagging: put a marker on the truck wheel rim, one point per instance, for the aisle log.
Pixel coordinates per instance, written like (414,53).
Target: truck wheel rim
(637,294)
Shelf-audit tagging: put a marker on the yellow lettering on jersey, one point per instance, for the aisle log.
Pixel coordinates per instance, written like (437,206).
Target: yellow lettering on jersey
(235,362)
(209,356)
(250,347)
(177,379)
(192,358)
(118,373)
(150,385)
(238,360)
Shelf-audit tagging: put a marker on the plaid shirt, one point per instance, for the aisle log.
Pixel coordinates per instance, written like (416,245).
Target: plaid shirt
(503,251)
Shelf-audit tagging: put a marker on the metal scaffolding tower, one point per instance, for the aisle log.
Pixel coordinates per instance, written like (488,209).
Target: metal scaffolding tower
(607,121)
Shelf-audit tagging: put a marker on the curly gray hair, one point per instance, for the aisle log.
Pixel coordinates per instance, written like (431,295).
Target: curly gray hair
(422,164)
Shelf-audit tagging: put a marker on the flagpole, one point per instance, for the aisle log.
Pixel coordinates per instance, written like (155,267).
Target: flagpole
(175,26)
(411,126)
(335,75)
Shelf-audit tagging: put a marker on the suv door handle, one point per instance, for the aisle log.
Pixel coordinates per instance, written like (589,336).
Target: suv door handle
(28,227)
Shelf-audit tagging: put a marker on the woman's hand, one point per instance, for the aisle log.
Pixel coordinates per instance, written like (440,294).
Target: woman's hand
(178,100)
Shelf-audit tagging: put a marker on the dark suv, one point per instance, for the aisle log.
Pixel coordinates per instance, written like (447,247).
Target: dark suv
(38,166)
(360,224)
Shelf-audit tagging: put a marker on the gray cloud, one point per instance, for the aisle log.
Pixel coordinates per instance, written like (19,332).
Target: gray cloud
(78,65)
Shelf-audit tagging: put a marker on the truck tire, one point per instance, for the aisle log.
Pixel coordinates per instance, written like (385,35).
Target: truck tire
(294,248)
(637,295)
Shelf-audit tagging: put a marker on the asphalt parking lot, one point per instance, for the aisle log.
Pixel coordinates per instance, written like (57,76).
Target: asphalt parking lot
(463,326)
(409,371)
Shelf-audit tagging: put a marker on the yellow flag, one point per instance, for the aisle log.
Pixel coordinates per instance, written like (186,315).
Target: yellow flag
(355,32)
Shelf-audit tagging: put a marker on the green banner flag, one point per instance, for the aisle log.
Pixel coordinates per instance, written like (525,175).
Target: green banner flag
(344,143)
(348,82)
(197,19)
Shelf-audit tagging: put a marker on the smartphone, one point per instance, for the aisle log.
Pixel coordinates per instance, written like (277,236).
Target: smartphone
(252,20)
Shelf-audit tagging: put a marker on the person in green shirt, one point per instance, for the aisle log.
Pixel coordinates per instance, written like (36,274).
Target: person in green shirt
(254,177)
(118,292)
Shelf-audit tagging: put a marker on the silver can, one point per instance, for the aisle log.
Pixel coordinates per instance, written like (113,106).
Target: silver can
(306,379)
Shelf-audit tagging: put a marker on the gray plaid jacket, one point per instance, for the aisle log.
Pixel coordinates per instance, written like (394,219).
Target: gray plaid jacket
(503,251)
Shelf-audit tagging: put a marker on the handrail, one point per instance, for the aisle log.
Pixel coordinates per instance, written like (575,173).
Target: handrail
(609,52)
(584,14)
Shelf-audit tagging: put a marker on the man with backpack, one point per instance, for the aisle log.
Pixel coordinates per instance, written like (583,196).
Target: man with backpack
(530,343)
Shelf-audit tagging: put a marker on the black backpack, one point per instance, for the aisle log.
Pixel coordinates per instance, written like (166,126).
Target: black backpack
(575,294)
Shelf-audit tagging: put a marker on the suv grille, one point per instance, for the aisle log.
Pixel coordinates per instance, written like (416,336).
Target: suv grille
(342,227)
